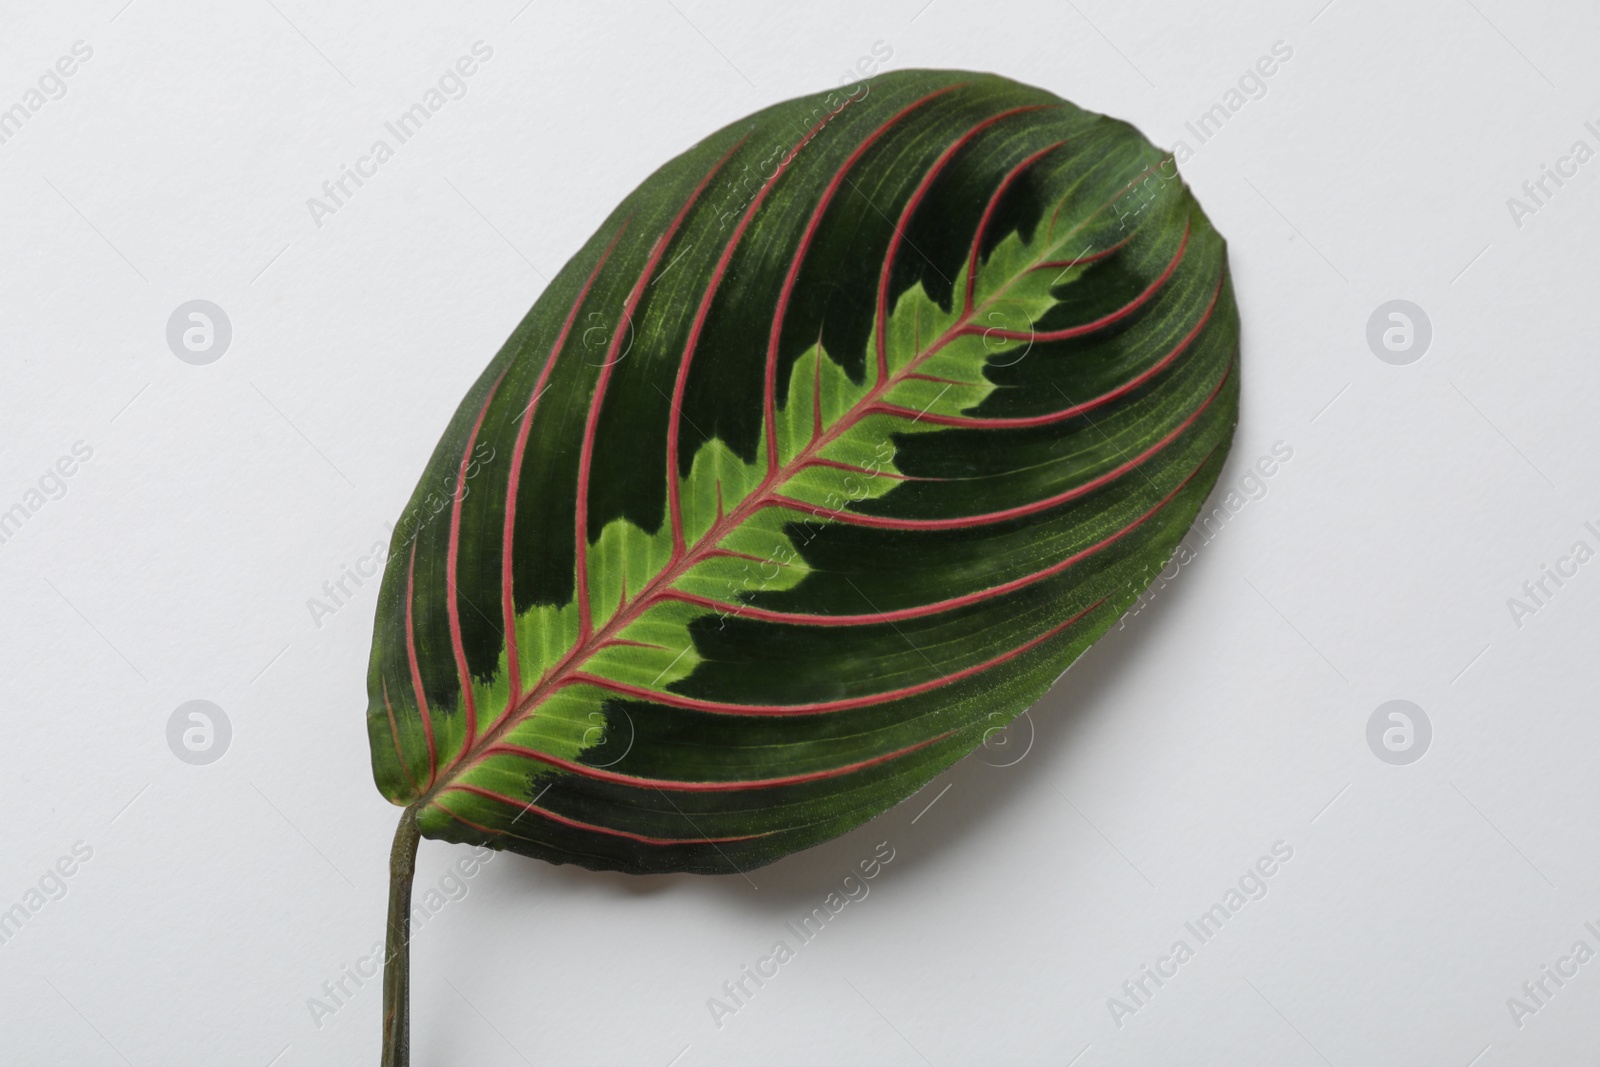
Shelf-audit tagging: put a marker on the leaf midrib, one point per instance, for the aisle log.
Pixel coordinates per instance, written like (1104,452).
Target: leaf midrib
(561,674)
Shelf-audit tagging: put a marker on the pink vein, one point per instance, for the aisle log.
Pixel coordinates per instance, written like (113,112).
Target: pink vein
(792,275)
(602,775)
(1105,320)
(1025,421)
(590,430)
(952,603)
(988,216)
(962,522)
(565,820)
(721,707)
(453,589)
(674,504)
(394,733)
(680,383)
(928,178)
(507,591)
(416,670)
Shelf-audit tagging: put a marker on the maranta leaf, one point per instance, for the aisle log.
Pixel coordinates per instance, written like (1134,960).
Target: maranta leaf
(843,436)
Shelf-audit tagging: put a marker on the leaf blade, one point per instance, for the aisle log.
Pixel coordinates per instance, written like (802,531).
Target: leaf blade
(882,348)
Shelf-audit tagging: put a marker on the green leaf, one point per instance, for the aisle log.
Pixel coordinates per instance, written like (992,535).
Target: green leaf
(843,436)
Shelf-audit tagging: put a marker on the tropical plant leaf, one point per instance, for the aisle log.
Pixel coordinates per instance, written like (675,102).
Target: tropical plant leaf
(843,436)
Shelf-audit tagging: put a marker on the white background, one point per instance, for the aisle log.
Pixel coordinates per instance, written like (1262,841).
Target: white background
(1229,715)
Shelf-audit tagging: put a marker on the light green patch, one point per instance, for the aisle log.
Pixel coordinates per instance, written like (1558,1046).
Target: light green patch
(621,563)
(716,476)
(814,375)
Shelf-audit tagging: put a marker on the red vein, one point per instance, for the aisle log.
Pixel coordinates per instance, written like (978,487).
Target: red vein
(1025,421)
(629,643)
(394,733)
(731,554)
(792,275)
(910,209)
(1105,320)
(416,670)
(952,603)
(816,393)
(988,215)
(720,707)
(452,554)
(507,593)
(464,821)
(674,503)
(818,461)
(577,823)
(602,775)
(1078,261)
(591,427)
(962,522)
(1137,179)
(586,451)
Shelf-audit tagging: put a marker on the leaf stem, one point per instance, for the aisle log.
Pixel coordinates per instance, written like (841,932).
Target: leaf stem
(397,952)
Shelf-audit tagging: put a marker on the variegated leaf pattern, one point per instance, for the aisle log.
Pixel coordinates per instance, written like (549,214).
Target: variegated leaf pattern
(843,436)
